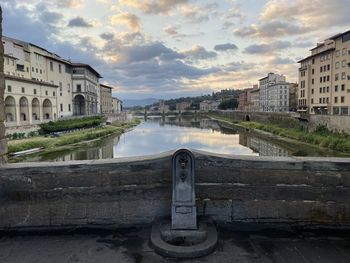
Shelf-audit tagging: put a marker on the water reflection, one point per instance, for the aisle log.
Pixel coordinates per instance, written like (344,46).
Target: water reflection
(156,135)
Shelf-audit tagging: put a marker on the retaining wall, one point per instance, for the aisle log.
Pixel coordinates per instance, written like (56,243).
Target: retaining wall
(131,191)
(332,122)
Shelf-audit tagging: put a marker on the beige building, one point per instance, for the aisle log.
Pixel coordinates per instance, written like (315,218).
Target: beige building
(254,99)
(29,102)
(208,105)
(117,105)
(86,90)
(106,99)
(274,93)
(324,77)
(183,105)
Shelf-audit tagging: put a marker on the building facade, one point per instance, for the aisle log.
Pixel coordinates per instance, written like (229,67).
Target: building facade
(52,87)
(209,105)
(274,93)
(106,99)
(183,106)
(324,77)
(117,105)
(254,99)
(86,90)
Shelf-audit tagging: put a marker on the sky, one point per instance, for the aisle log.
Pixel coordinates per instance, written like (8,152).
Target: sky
(172,48)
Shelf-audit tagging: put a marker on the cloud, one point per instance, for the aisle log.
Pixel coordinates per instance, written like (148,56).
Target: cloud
(281,61)
(130,20)
(267,48)
(153,6)
(138,53)
(286,18)
(107,36)
(78,22)
(198,14)
(70,3)
(198,52)
(225,47)
(171,30)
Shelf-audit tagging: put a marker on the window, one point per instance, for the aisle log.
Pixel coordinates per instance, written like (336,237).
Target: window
(23,90)
(68,69)
(327,100)
(32,69)
(312,72)
(312,91)
(328,78)
(324,89)
(69,107)
(320,100)
(321,79)
(46,93)
(343,63)
(344,110)
(335,110)
(312,81)
(27,69)
(34,91)
(328,67)
(321,69)
(337,65)
(343,75)
(53,93)
(61,107)
(41,72)
(79,88)
(337,53)
(336,88)
(336,77)
(51,65)
(327,89)
(9,88)
(36,70)
(342,99)
(312,101)
(68,86)
(344,52)
(343,87)
(313,61)
(60,84)
(335,99)
(59,68)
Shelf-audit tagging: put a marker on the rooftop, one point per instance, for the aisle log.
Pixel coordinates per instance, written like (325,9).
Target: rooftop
(237,243)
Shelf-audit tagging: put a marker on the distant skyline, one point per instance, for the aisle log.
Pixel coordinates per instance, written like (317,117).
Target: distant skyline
(173,48)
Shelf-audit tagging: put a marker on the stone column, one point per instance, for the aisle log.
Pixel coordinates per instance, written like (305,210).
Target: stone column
(3,141)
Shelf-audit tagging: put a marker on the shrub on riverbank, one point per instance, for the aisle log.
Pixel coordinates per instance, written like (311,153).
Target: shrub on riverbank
(71,124)
(69,139)
(321,137)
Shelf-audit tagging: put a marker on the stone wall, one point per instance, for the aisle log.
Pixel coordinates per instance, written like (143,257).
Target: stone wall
(3,141)
(128,191)
(332,122)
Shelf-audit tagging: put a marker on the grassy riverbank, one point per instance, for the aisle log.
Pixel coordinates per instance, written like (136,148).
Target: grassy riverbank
(70,139)
(321,137)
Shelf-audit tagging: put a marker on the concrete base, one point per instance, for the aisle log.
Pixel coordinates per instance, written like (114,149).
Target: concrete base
(183,243)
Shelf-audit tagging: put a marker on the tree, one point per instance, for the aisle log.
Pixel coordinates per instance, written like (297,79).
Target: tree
(229,104)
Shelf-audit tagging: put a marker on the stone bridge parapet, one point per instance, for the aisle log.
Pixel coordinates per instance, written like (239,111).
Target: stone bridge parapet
(129,191)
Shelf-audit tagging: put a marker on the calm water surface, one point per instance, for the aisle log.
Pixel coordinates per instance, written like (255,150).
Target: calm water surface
(156,135)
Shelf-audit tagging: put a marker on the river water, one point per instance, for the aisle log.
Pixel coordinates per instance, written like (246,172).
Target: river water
(156,135)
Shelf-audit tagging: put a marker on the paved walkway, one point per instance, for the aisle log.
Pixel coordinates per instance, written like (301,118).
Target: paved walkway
(238,243)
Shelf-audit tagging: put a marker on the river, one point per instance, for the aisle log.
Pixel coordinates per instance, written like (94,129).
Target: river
(156,135)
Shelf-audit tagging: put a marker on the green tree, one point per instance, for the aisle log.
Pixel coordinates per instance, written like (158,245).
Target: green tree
(229,104)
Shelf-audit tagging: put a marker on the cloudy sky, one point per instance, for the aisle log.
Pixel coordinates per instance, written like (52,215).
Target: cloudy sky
(173,48)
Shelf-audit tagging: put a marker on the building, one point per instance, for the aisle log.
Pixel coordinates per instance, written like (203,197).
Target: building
(254,99)
(117,105)
(163,107)
(244,100)
(274,93)
(293,97)
(324,77)
(51,86)
(106,99)
(86,91)
(209,105)
(183,106)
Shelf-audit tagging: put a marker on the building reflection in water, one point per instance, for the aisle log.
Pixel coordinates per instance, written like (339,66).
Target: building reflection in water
(263,147)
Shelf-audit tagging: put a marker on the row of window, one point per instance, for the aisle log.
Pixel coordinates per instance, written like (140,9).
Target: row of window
(337,52)
(61,107)
(326,89)
(343,64)
(326,100)
(23,90)
(340,110)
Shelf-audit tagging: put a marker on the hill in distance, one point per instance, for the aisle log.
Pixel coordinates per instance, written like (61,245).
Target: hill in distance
(139,102)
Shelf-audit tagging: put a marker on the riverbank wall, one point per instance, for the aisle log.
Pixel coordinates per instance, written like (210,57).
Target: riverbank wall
(131,191)
(332,122)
